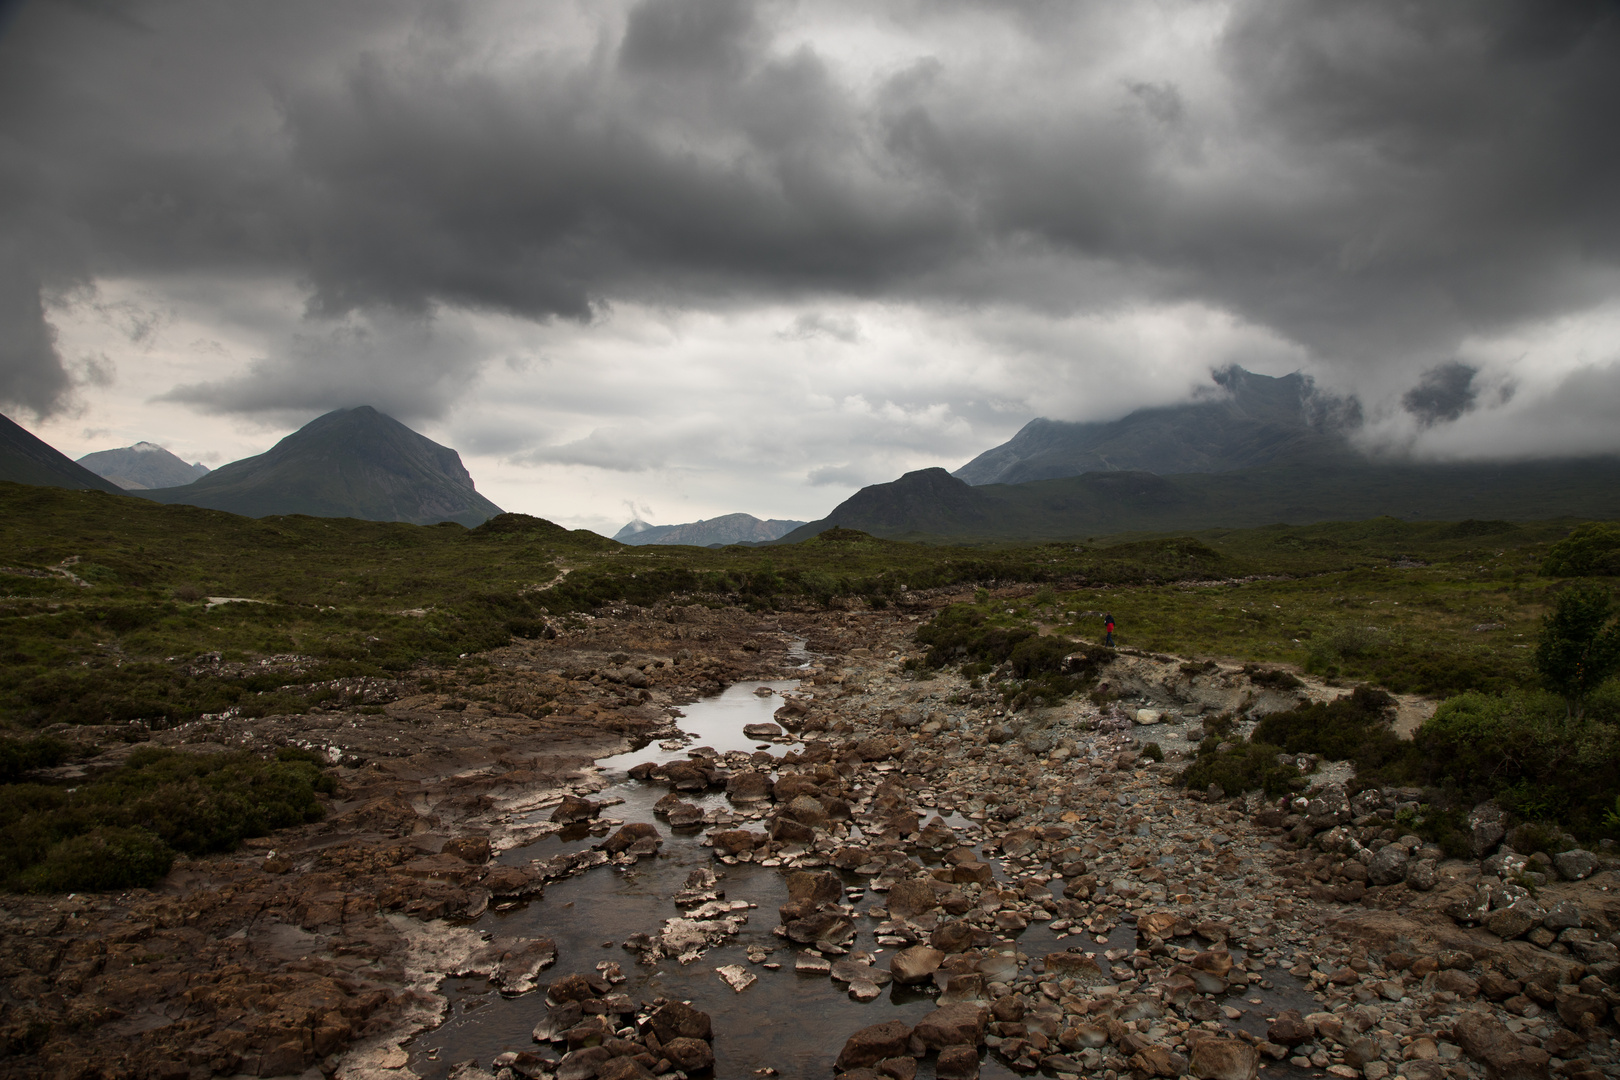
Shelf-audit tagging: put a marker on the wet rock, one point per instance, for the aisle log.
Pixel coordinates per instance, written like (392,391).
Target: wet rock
(628,836)
(916,964)
(1291,1029)
(957,1063)
(748,786)
(910,898)
(471,849)
(1082,967)
(691,1056)
(736,841)
(789,831)
(952,936)
(570,988)
(573,808)
(737,977)
(961,1024)
(873,1044)
(685,816)
(830,927)
(1158,1061)
(807,810)
(1224,1059)
(676,1020)
(517,962)
(762,731)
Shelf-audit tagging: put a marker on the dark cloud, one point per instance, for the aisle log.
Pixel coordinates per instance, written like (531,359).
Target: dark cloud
(1378,182)
(1443,394)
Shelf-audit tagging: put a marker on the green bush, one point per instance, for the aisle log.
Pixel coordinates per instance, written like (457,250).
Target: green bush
(102,859)
(1245,766)
(1579,646)
(1592,550)
(1355,728)
(18,756)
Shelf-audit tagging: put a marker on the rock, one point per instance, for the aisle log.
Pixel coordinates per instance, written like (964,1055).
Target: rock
(1581,1011)
(957,1063)
(762,731)
(828,926)
(570,988)
(1468,905)
(1224,1059)
(676,1019)
(1291,1029)
(1455,982)
(1331,807)
(1514,920)
(1388,865)
(1082,967)
(807,810)
(689,1055)
(952,936)
(1564,915)
(1575,865)
(1158,1061)
(1148,716)
(1488,1041)
(1487,828)
(733,841)
(810,964)
(1422,874)
(573,808)
(808,890)
(748,786)
(910,898)
(737,977)
(871,1045)
(1163,924)
(472,849)
(628,835)
(915,965)
(1214,961)
(789,831)
(960,1024)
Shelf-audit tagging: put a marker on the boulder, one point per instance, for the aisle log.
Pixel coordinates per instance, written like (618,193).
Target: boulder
(957,1063)
(807,810)
(1331,807)
(678,1020)
(473,849)
(1148,716)
(1291,1029)
(1575,865)
(916,964)
(1082,967)
(1422,874)
(762,731)
(960,1024)
(1515,920)
(910,898)
(1488,1041)
(1564,915)
(748,786)
(1486,826)
(871,1045)
(689,1055)
(628,835)
(733,841)
(1388,865)
(573,808)
(1224,1059)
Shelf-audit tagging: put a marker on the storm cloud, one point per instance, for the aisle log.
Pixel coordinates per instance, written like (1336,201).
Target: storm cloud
(1369,192)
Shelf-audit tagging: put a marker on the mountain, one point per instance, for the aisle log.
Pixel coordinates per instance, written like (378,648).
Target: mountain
(1249,421)
(26,459)
(142,466)
(354,463)
(932,505)
(729,529)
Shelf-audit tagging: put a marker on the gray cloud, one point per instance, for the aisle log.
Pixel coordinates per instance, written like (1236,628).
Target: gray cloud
(1377,184)
(1444,393)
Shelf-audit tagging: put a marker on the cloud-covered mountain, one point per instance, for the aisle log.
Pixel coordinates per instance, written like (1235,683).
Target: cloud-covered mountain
(349,463)
(143,466)
(1250,420)
(727,529)
(27,459)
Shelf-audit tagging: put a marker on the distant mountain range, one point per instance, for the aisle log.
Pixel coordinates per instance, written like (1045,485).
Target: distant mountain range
(1245,422)
(932,505)
(349,463)
(26,459)
(728,529)
(142,466)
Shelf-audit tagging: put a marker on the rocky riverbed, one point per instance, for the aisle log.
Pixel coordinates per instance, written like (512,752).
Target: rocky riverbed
(986,892)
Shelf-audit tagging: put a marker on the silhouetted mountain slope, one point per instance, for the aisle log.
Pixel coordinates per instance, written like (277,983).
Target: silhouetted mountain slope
(727,529)
(27,459)
(142,466)
(1252,420)
(931,505)
(354,463)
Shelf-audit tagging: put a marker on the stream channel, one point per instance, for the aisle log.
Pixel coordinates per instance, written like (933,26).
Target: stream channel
(787,1022)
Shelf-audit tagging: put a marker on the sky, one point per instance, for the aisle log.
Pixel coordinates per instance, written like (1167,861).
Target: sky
(672,259)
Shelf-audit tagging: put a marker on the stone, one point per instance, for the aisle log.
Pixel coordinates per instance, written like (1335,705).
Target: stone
(1422,874)
(1455,982)
(910,898)
(689,1055)
(1158,1060)
(960,1024)
(628,835)
(1388,865)
(1486,828)
(1224,1059)
(873,1044)
(953,936)
(1563,915)
(807,810)
(1149,716)
(1488,1041)
(472,849)
(1330,807)
(1515,920)
(762,731)
(1082,967)
(957,1063)
(915,965)
(1581,1011)
(1290,1029)
(736,976)
(573,808)
(676,1019)
(1575,865)
(814,887)
(748,786)
(735,841)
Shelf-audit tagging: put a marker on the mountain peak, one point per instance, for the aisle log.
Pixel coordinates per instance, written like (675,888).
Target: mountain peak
(355,462)
(725,529)
(142,467)
(1246,420)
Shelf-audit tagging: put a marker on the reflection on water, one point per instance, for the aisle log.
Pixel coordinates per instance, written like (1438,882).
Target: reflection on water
(792,1023)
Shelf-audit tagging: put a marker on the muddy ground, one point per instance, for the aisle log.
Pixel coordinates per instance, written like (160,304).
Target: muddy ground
(319,950)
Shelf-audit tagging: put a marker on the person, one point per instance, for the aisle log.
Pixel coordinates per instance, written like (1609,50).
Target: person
(1108,629)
